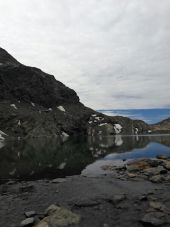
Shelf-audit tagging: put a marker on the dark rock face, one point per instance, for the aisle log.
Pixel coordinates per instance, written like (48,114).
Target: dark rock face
(28,84)
(34,103)
(7,59)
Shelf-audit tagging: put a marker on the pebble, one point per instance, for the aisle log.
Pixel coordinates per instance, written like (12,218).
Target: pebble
(29,214)
(58,180)
(154,218)
(28,221)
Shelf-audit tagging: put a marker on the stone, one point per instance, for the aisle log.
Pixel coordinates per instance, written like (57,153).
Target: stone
(154,218)
(86,203)
(143,198)
(140,165)
(59,216)
(58,180)
(159,206)
(167,165)
(42,224)
(51,209)
(153,170)
(163,157)
(131,175)
(28,221)
(157,179)
(117,199)
(29,214)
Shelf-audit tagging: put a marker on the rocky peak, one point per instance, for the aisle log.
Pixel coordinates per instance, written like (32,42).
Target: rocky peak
(6,58)
(29,84)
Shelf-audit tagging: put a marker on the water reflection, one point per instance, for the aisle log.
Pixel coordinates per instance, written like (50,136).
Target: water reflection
(51,157)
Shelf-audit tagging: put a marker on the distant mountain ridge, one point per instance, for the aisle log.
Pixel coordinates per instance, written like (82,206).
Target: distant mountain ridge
(150,115)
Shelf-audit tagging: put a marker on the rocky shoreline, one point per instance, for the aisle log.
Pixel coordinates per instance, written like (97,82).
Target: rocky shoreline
(136,194)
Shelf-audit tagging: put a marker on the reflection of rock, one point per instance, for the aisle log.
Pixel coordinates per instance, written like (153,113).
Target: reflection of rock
(2,135)
(2,144)
(118,140)
(47,157)
(44,157)
(62,165)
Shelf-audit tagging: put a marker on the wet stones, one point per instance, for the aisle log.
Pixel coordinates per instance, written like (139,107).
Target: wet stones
(157,214)
(143,164)
(153,218)
(154,170)
(53,216)
(58,216)
(167,165)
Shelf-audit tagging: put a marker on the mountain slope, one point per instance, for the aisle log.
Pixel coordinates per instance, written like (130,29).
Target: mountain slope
(34,103)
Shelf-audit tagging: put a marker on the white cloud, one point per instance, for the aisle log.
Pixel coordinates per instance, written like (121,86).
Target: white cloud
(115,54)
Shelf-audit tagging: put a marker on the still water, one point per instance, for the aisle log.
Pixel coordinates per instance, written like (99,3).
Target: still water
(51,158)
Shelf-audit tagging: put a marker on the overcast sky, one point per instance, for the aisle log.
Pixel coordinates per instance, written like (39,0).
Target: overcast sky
(113,53)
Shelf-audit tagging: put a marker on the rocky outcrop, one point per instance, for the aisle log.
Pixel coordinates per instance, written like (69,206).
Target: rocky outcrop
(161,127)
(34,103)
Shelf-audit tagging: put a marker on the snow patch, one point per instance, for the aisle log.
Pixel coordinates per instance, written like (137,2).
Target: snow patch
(50,109)
(33,104)
(62,165)
(117,128)
(12,172)
(1,137)
(64,134)
(102,124)
(2,134)
(19,123)
(136,130)
(61,108)
(14,106)
(93,115)
(90,122)
(91,148)
(103,145)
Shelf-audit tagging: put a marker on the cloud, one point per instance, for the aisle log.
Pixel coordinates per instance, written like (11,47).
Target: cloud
(115,54)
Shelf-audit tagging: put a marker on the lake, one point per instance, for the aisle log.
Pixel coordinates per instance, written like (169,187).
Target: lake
(51,158)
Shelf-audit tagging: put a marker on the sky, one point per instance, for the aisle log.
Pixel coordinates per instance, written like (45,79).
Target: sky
(114,54)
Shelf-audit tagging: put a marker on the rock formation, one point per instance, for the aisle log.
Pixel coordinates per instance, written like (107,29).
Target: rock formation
(34,103)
